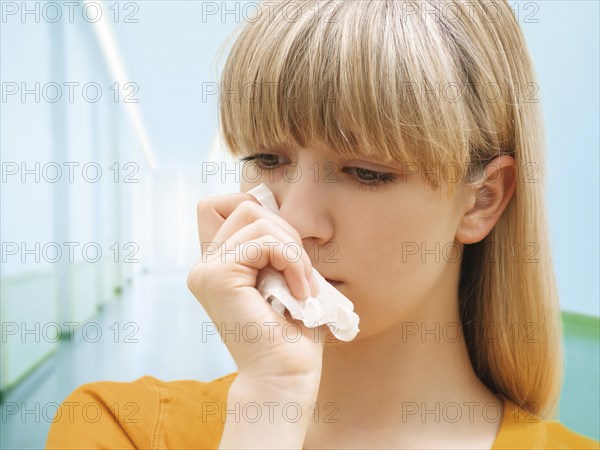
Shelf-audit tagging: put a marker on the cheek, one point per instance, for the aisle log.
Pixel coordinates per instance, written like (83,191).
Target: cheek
(397,245)
(419,253)
(398,264)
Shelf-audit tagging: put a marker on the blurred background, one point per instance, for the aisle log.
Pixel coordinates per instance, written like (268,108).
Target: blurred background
(109,138)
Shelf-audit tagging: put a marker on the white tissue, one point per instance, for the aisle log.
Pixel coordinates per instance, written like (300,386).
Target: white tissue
(330,308)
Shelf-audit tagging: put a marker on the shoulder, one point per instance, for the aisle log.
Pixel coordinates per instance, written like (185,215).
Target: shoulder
(522,429)
(560,436)
(145,413)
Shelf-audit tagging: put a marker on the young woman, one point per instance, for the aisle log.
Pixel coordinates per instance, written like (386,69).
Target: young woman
(404,146)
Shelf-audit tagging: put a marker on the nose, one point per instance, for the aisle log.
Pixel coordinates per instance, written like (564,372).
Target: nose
(303,203)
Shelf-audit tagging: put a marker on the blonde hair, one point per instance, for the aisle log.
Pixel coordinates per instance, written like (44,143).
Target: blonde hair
(359,78)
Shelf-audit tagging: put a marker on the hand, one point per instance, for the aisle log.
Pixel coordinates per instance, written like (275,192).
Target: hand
(224,283)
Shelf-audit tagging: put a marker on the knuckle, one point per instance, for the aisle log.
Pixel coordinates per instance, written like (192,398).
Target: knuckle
(270,239)
(250,198)
(252,207)
(248,205)
(289,229)
(263,223)
(192,278)
(267,226)
(199,280)
(296,235)
(202,205)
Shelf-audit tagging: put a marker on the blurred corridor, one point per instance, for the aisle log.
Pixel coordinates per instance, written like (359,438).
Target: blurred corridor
(156,328)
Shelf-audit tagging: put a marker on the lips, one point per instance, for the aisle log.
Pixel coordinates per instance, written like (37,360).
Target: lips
(333,282)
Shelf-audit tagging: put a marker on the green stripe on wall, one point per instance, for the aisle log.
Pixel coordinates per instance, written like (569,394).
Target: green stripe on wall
(579,406)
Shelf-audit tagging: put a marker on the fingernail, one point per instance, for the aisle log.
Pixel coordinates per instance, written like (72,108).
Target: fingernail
(314,284)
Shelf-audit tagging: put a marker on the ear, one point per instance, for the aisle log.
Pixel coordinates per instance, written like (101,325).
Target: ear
(487,199)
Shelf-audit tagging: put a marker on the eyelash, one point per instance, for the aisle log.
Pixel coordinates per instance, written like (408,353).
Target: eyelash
(381,178)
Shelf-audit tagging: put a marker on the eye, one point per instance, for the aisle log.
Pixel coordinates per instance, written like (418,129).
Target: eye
(363,178)
(264,161)
(368,179)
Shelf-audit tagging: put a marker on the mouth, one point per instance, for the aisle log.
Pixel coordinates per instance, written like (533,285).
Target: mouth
(333,282)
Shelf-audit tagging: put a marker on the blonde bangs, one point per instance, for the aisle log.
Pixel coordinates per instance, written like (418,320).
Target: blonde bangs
(357,78)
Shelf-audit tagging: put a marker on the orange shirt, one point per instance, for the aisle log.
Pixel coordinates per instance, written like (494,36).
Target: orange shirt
(151,414)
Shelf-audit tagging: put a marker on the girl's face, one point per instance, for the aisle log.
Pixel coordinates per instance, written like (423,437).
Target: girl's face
(389,241)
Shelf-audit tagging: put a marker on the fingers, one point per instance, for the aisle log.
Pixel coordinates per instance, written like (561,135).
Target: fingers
(220,217)
(226,214)
(263,243)
(213,211)
(248,212)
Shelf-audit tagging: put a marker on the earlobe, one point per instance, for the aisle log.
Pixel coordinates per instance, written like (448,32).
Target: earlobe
(488,198)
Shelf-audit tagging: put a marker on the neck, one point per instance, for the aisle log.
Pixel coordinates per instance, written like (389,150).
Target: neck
(413,379)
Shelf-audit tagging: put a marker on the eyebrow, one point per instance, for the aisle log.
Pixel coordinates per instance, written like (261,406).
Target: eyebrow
(392,164)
